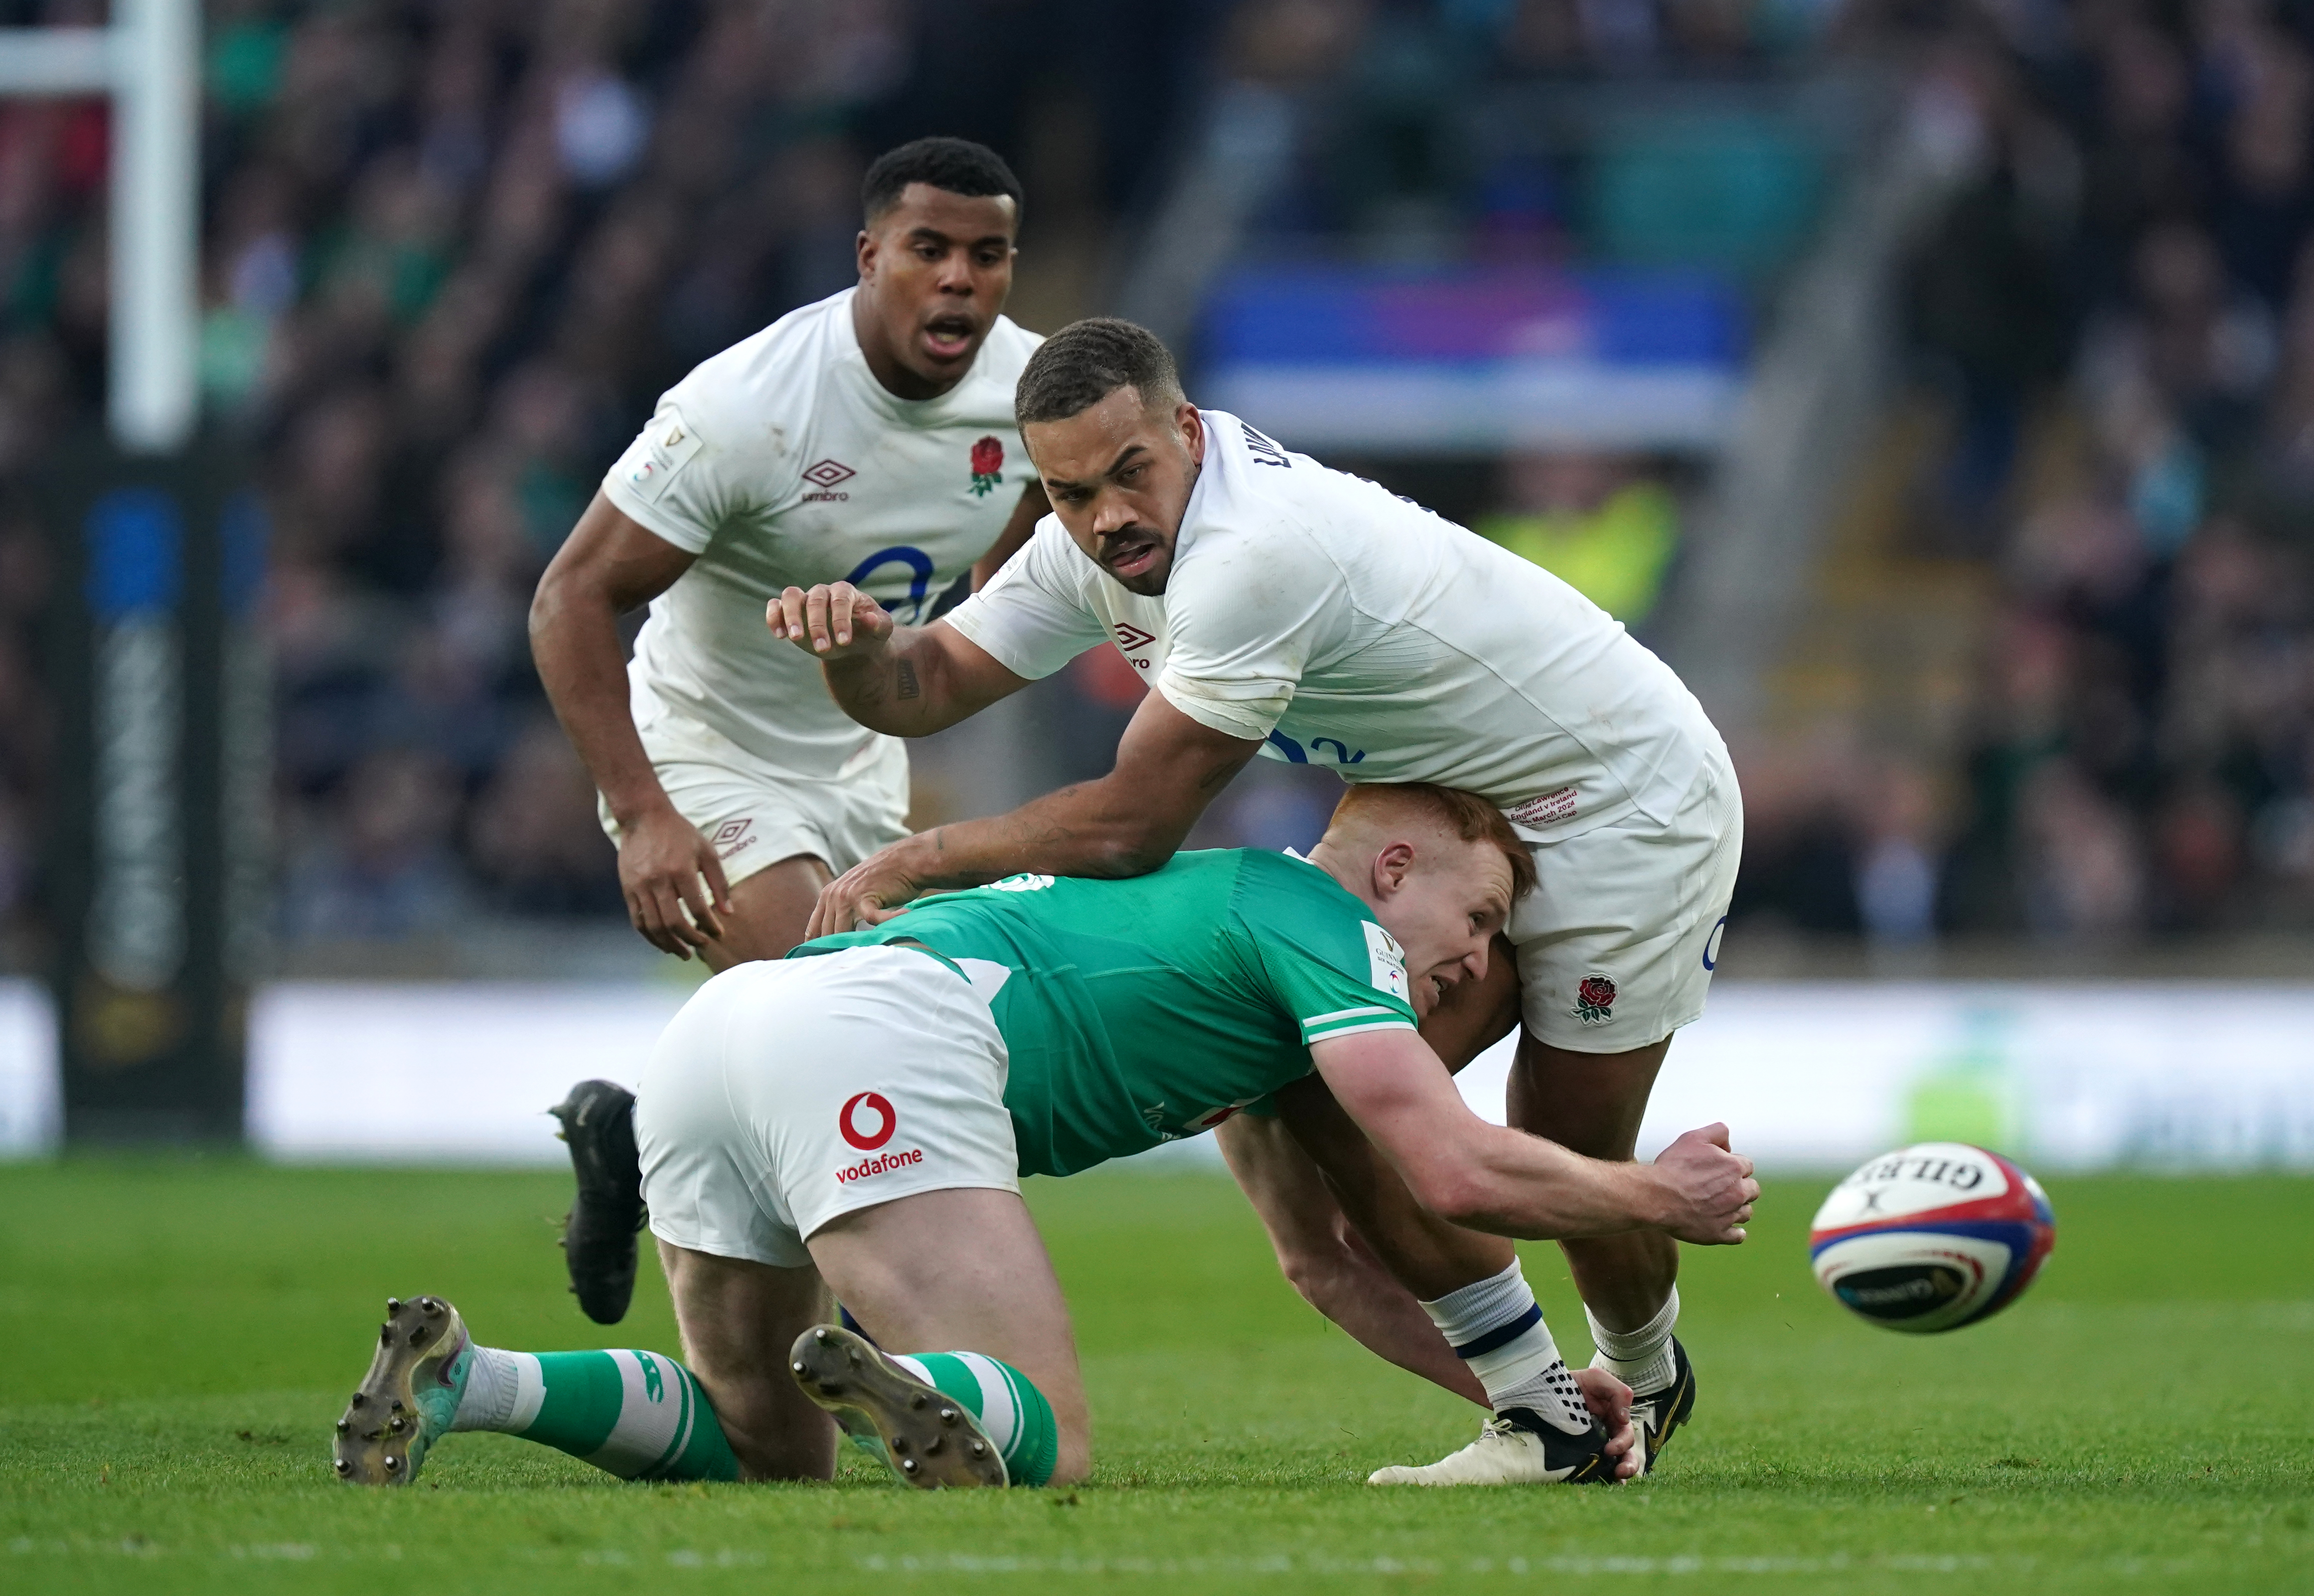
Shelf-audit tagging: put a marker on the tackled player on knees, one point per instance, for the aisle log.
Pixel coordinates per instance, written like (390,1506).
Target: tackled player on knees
(855,1119)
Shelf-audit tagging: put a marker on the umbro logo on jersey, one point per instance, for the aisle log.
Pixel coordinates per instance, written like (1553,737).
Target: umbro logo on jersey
(1129,638)
(828,473)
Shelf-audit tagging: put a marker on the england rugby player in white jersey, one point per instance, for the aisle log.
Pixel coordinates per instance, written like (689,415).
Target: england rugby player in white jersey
(1280,608)
(867,439)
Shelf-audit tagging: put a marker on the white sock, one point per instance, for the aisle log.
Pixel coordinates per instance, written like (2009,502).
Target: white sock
(1495,1328)
(1641,1358)
(502,1393)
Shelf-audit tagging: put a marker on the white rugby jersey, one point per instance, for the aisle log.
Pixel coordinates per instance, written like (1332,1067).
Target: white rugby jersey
(784,461)
(1355,630)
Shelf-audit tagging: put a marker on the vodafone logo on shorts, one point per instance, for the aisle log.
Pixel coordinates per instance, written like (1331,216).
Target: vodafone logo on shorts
(871,1129)
(867,1121)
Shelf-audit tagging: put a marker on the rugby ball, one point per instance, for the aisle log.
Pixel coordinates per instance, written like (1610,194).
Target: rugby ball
(1932,1238)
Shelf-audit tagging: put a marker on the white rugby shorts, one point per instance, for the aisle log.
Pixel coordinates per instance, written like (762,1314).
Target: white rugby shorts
(1617,942)
(757,815)
(790,1091)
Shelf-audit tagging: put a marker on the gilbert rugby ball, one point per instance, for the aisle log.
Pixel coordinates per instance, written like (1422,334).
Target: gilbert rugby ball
(1932,1237)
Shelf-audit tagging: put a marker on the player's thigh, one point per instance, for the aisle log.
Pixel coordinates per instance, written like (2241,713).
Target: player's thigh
(774,833)
(1589,1102)
(737,1319)
(769,911)
(962,1270)
(1617,945)
(1471,1016)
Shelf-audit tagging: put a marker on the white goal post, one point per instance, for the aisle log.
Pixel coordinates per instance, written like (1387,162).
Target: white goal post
(149,62)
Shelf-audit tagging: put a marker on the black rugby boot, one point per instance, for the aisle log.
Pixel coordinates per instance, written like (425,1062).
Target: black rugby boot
(598,1237)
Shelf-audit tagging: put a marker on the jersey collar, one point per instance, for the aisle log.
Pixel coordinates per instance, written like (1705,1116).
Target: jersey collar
(908,412)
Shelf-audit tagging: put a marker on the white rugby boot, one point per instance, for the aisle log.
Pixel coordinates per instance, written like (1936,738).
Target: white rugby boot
(1514,1447)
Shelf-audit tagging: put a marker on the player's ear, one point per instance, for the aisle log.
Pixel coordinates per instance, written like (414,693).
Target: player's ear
(1192,428)
(1391,866)
(865,248)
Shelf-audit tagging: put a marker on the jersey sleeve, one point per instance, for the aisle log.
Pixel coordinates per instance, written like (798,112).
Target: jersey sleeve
(1033,617)
(1319,982)
(1240,644)
(682,481)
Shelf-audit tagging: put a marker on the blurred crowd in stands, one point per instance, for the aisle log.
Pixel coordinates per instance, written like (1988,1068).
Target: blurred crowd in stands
(452,249)
(2115,312)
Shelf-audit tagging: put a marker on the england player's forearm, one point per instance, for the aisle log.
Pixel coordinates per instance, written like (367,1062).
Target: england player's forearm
(1090,829)
(904,689)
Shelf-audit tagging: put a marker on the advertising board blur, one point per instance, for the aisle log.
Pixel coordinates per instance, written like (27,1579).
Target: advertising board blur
(1806,1075)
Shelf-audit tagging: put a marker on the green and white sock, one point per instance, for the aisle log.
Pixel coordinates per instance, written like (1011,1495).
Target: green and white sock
(637,1414)
(1641,1358)
(1012,1411)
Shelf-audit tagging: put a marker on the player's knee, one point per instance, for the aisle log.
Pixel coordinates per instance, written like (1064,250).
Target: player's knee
(1074,1459)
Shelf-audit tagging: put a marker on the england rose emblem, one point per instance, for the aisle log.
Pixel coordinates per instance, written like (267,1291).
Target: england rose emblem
(1594,1000)
(987,465)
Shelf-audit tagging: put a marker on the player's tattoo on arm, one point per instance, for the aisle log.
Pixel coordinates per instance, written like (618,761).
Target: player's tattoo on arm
(909,687)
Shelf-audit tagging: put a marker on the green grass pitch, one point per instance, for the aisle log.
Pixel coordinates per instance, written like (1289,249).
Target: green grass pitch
(179,1335)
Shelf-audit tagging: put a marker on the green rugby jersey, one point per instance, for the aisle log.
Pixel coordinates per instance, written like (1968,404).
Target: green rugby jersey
(1143,1010)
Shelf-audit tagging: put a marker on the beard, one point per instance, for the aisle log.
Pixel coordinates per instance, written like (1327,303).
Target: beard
(1150,581)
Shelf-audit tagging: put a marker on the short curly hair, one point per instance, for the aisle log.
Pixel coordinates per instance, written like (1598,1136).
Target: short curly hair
(1087,361)
(955,165)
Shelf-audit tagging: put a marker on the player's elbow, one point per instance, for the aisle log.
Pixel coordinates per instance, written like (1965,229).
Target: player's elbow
(1455,1193)
(1133,847)
(1318,1274)
(549,603)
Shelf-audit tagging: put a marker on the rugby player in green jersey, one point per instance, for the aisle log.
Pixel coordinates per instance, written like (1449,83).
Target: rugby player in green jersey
(856,1119)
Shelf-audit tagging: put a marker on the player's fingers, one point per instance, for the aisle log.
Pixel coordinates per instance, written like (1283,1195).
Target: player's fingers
(693,893)
(635,915)
(712,866)
(841,600)
(1742,1166)
(669,897)
(650,919)
(873,913)
(824,912)
(785,614)
(1751,1190)
(815,619)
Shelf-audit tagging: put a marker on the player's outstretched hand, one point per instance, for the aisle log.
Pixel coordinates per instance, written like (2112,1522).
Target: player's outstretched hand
(1610,1402)
(1711,1188)
(868,893)
(834,621)
(673,883)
